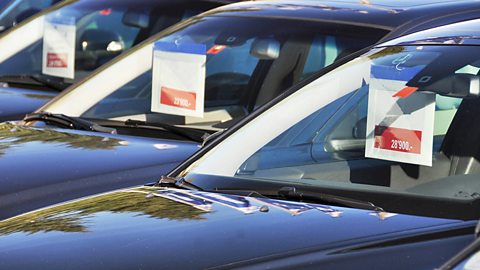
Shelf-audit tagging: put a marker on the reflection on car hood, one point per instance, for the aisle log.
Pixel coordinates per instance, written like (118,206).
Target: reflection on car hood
(154,228)
(43,166)
(16,102)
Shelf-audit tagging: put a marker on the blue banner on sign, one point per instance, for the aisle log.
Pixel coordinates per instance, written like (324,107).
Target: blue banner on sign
(191,48)
(56,19)
(394,73)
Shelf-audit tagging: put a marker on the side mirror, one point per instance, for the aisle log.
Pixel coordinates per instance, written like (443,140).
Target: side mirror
(265,49)
(136,19)
(457,85)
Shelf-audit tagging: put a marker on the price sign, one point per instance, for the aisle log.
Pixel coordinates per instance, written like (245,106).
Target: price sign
(178,81)
(399,120)
(59,47)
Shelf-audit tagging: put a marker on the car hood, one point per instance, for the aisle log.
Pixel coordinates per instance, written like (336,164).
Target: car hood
(16,102)
(41,166)
(152,228)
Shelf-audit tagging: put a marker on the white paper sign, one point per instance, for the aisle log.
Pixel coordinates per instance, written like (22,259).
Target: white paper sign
(178,85)
(399,122)
(59,47)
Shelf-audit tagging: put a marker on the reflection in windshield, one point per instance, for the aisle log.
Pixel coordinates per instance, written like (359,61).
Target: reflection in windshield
(73,217)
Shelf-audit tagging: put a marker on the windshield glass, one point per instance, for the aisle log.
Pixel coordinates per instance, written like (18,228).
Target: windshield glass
(68,43)
(248,61)
(404,123)
(15,11)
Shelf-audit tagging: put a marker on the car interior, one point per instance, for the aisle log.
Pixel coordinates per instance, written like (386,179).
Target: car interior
(333,153)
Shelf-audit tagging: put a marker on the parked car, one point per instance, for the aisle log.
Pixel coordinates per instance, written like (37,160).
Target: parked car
(13,12)
(236,205)
(86,32)
(248,62)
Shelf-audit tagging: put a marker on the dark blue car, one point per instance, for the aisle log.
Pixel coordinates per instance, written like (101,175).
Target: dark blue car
(108,131)
(13,12)
(99,30)
(383,195)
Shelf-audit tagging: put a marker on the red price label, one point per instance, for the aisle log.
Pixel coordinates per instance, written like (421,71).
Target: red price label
(398,139)
(57,60)
(178,98)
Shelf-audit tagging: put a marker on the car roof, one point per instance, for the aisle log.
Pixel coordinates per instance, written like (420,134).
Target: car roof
(461,33)
(387,15)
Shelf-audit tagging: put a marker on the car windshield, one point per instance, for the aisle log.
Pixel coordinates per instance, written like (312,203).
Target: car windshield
(398,127)
(68,43)
(15,11)
(248,61)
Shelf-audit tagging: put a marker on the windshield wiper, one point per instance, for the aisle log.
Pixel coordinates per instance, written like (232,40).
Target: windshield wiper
(62,120)
(34,80)
(177,182)
(293,193)
(188,133)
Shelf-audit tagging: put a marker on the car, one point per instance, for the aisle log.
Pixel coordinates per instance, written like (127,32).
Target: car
(13,12)
(34,70)
(29,85)
(108,131)
(398,190)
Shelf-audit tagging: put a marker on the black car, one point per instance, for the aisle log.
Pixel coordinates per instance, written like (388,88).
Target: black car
(119,141)
(253,198)
(99,30)
(13,12)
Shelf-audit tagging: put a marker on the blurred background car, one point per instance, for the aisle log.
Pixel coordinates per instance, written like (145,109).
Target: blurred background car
(13,12)
(98,30)
(344,211)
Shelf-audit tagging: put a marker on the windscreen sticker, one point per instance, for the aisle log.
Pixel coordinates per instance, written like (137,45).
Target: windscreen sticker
(58,57)
(400,119)
(178,79)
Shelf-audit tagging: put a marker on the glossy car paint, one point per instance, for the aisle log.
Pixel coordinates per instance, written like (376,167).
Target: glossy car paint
(14,102)
(135,229)
(44,166)
(397,17)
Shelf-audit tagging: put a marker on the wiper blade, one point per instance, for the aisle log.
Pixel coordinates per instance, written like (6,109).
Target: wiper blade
(34,80)
(293,193)
(190,134)
(67,122)
(177,182)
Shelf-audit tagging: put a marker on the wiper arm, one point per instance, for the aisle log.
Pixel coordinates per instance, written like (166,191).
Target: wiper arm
(190,134)
(67,122)
(293,193)
(177,182)
(34,80)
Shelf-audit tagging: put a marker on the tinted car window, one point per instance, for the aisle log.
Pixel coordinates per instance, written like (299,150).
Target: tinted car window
(325,148)
(237,79)
(103,29)
(15,11)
